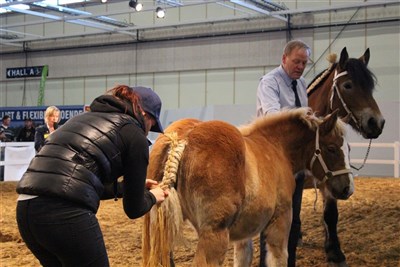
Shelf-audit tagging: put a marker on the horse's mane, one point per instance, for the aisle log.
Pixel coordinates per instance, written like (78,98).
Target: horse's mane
(356,69)
(360,74)
(305,114)
(340,128)
(320,79)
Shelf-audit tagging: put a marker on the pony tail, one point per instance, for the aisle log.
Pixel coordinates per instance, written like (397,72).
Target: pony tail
(162,225)
(174,155)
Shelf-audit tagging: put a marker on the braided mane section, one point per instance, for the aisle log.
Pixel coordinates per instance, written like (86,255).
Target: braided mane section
(174,155)
(332,60)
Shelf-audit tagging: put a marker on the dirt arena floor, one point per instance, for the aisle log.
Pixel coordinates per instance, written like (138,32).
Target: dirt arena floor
(369,230)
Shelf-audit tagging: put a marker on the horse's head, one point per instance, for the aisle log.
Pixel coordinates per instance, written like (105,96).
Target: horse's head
(353,85)
(330,162)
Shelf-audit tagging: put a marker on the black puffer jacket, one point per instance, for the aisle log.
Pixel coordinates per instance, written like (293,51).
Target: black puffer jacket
(90,151)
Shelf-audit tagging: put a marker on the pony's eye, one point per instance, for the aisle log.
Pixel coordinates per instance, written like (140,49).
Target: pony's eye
(332,149)
(347,86)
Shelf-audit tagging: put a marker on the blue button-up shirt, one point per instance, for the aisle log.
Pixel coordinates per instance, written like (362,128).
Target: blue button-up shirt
(275,92)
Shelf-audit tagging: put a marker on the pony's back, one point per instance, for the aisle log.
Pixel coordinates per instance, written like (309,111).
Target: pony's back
(159,150)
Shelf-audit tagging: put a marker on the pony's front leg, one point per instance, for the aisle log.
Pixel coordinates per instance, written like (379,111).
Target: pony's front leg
(277,236)
(243,253)
(211,248)
(334,254)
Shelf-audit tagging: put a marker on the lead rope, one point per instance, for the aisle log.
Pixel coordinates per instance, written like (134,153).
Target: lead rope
(316,194)
(365,158)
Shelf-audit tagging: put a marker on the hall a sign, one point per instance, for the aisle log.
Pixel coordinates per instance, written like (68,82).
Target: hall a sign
(24,72)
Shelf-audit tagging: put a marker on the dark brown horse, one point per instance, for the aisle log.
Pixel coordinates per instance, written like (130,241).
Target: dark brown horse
(348,86)
(232,184)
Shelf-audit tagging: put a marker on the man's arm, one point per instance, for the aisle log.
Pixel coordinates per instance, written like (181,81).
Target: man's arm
(268,96)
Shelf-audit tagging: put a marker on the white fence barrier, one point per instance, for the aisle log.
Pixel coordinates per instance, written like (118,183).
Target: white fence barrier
(15,157)
(396,154)
(18,155)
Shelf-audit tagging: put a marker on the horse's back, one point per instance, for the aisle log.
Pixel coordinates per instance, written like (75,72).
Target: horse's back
(217,140)
(159,150)
(215,152)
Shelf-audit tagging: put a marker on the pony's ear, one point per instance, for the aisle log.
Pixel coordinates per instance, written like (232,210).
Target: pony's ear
(365,58)
(346,119)
(329,122)
(344,56)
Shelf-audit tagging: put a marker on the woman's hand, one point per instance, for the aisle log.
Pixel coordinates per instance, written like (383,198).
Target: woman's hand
(159,194)
(150,183)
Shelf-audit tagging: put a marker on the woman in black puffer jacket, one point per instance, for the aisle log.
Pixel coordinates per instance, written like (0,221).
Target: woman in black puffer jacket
(78,166)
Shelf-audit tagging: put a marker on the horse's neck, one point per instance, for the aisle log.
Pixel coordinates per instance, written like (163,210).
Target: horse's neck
(293,140)
(319,100)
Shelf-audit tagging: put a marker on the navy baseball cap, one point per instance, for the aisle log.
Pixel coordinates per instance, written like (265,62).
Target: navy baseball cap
(151,103)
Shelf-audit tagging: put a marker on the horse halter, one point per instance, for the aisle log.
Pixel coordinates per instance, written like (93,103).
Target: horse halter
(317,155)
(336,89)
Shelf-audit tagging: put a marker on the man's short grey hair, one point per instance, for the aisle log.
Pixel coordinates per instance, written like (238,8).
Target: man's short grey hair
(296,44)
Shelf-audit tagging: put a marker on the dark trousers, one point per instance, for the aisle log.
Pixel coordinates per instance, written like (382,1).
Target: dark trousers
(295,227)
(2,167)
(61,233)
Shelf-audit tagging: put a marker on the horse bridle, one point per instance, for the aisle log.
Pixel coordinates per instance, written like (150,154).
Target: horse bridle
(336,89)
(317,155)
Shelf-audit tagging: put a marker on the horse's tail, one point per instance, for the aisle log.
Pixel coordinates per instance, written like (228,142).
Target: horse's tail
(162,224)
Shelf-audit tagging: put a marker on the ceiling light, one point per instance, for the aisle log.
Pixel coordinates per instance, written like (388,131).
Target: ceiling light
(139,6)
(104,1)
(136,5)
(160,12)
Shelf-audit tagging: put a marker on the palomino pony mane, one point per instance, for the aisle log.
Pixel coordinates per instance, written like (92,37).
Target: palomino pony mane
(305,114)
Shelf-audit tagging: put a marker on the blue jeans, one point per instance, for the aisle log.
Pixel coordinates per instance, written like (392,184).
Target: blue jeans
(61,233)
(295,227)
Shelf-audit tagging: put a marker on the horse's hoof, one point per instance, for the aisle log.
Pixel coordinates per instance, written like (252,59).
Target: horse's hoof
(338,264)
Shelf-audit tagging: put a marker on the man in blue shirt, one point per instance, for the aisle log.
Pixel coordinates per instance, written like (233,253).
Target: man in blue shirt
(284,87)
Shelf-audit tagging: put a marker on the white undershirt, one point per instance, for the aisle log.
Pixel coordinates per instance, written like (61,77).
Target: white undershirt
(22,197)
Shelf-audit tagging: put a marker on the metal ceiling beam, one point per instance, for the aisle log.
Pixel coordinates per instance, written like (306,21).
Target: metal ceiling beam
(252,6)
(128,30)
(24,2)
(60,36)
(174,3)
(62,9)
(33,13)
(337,7)
(113,13)
(77,12)
(72,20)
